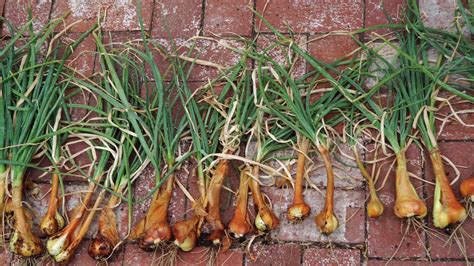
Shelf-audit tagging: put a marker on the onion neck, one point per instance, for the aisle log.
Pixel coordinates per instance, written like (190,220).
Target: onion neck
(375,207)
(23,241)
(3,176)
(407,202)
(446,208)
(156,228)
(326,220)
(88,197)
(52,222)
(68,253)
(299,210)
(265,219)
(239,226)
(59,242)
(214,213)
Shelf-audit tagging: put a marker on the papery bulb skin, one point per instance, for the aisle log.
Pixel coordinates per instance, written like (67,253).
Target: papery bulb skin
(298,212)
(410,207)
(239,227)
(447,209)
(327,223)
(100,248)
(266,220)
(154,229)
(375,208)
(153,238)
(185,233)
(260,223)
(407,202)
(51,224)
(467,189)
(26,246)
(57,243)
(188,243)
(23,242)
(447,213)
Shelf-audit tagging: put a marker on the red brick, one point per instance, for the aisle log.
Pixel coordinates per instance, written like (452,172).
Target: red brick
(376,12)
(197,256)
(451,263)
(351,227)
(330,48)
(283,54)
(79,97)
(193,185)
(385,233)
(121,214)
(148,91)
(205,50)
(5,256)
(182,18)
(415,263)
(402,262)
(83,58)
(117,41)
(179,202)
(161,47)
(354,223)
(442,246)
(274,254)
(40,173)
(120,16)
(215,53)
(205,256)
(453,129)
(133,255)
(311,16)
(456,152)
(2,4)
(316,256)
(231,257)
(228,18)
(16,12)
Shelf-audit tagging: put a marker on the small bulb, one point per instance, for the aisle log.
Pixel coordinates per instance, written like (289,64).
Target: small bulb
(298,212)
(327,224)
(375,208)
(260,224)
(56,244)
(187,245)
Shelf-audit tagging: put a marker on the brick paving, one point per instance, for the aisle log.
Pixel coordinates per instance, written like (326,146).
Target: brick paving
(359,240)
